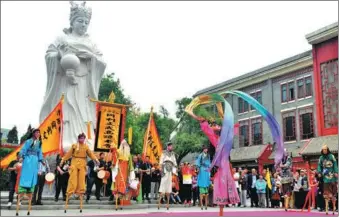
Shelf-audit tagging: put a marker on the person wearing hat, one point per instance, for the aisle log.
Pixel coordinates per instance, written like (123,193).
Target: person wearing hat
(300,195)
(168,164)
(203,162)
(31,153)
(328,168)
(77,173)
(286,177)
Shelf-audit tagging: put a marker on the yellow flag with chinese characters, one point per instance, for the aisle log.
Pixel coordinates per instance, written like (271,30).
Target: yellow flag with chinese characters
(51,136)
(152,144)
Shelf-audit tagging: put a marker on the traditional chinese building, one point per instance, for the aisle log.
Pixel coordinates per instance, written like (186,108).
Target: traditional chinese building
(325,72)
(300,91)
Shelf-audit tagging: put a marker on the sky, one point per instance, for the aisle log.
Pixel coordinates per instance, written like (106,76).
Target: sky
(161,51)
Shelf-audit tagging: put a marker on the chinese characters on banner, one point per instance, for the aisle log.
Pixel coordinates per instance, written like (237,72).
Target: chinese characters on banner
(51,131)
(111,119)
(51,135)
(152,144)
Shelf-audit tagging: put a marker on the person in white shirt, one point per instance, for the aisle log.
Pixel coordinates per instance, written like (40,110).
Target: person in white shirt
(236,178)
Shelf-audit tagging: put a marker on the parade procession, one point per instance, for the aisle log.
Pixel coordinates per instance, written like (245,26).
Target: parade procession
(250,146)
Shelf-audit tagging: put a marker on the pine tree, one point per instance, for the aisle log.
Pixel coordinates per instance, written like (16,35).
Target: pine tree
(24,137)
(12,136)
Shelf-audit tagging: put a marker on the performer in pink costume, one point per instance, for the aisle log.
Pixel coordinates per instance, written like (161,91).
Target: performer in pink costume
(224,186)
(224,189)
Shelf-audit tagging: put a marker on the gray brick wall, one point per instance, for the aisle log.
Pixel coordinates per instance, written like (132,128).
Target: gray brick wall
(271,99)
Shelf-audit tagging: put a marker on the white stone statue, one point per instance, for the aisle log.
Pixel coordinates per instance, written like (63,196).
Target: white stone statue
(75,68)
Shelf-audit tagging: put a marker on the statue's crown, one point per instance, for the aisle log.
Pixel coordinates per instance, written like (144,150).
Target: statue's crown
(80,10)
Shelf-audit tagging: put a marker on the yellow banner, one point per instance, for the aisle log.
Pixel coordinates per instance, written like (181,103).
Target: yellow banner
(51,134)
(268,179)
(152,144)
(109,128)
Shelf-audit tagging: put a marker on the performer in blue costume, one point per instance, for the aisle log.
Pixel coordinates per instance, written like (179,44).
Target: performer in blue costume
(31,153)
(203,163)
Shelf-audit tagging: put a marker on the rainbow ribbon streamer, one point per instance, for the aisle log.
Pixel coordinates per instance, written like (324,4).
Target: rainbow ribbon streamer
(271,121)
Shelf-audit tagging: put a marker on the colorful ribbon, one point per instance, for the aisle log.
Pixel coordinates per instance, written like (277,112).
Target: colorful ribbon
(271,121)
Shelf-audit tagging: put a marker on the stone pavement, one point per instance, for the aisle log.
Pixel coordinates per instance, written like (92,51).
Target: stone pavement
(178,211)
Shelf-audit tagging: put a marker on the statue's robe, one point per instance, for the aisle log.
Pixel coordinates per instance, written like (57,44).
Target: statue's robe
(77,108)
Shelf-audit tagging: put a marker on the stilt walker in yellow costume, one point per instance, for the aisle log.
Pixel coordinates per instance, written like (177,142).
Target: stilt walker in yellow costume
(77,171)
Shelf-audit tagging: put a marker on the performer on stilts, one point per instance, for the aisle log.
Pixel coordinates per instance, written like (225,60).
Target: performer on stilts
(31,153)
(328,168)
(123,172)
(286,178)
(204,180)
(77,172)
(168,164)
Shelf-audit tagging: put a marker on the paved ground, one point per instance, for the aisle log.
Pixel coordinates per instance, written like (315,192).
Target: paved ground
(106,208)
(192,211)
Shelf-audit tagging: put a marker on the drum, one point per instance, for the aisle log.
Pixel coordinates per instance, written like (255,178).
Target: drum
(134,188)
(134,184)
(107,174)
(49,178)
(102,174)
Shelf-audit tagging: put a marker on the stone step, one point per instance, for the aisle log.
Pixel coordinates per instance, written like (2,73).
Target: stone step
(88,206)
(61,202)
(92,200)
(51,197)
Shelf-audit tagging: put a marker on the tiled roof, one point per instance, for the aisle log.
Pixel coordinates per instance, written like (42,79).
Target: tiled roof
(314,146)
(247,153)
(294,148)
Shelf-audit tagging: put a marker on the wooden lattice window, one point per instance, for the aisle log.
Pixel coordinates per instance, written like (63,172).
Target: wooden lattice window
(242,106)
(306,123)
(291,91)
(289,126)
(308,86)
(329,81)
(301,88)
(258,96)
(244,134)
(304,87)
(256,126)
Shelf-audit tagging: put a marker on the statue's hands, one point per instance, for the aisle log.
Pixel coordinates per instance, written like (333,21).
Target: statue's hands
(72,79)
(84,55)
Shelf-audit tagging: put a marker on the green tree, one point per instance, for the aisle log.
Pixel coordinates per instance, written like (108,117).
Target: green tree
(164,111)
(24,137)
(189,138)
(4,174)
(12,136)
(136,119)
(109,84)
(139,124)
